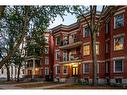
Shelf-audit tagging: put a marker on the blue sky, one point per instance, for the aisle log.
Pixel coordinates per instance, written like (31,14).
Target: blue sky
(69,19)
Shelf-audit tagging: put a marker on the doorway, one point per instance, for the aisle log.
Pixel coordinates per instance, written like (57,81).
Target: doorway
(74,71)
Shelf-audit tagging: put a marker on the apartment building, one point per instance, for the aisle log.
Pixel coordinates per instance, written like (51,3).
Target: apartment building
(73,50)
(39,66)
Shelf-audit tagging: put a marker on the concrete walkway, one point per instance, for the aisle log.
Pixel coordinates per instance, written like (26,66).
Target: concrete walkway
(14,86)
(9,86)
(53,86)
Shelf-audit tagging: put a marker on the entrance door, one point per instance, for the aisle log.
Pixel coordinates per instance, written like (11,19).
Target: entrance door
(74,71)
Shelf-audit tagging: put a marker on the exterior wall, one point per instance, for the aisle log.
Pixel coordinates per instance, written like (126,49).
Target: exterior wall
(102,59)
(49,56)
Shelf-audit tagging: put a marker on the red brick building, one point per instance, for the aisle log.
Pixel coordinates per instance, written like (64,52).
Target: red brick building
(72,50)
(41,66)
(47,58)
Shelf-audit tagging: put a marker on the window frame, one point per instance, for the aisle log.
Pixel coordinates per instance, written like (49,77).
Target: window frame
(57,70)
(115,65)
(115,26)
(57,53)
(84,50)
(57,43)
(46,60)
(46,70)
(84,68)
(84,32)
(115,43)
(66,70)
(65,55)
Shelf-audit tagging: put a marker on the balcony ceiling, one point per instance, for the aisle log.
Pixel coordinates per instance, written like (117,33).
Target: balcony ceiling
(72,45)
(72,61)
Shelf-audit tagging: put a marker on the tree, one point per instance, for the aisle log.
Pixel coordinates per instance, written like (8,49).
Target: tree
(18,60)
(94,27)
(40,16)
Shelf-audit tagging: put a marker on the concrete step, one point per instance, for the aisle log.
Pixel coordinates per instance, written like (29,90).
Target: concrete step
(72,80)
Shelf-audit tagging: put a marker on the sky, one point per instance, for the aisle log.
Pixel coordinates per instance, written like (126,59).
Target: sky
(69,19)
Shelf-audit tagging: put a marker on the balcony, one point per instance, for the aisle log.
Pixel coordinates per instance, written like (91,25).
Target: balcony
(72,58)
(70,43)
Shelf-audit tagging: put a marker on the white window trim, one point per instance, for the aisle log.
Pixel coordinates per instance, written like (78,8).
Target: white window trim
(57,69)
(114,43)
(84,30)
(115,20)
(122,66)
(64,53)
(84,69)
(47,60)
(66,71)
(47,70)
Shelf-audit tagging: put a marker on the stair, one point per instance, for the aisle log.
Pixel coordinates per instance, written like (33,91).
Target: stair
(72,80)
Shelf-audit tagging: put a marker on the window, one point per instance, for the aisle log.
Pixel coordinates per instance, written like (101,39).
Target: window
(46,40)
(118,21)
(46,71)
(107,27)
(118,43)
(86,50)
(97,67)
(118,65)
(65,69)
(106,47)
(57,54)
(46,60)
(86,68)
(58,41)
(46,50)
(65,40)
(86,32)
(64,56)
(107,67)
(97,49)
(57,69)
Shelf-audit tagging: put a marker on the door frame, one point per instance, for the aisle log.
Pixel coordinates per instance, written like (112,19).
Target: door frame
(74,70)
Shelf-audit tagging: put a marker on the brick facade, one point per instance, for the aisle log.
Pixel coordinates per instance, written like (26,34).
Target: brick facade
(72,42)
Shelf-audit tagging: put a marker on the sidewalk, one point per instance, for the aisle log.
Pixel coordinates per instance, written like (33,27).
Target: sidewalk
(53,86)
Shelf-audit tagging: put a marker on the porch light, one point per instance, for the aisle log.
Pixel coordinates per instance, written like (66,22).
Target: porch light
(36,69)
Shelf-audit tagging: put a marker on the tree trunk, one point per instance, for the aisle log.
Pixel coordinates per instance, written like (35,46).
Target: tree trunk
(94,57)
(8,72)
(24,32)
(93,42)
(18,72)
